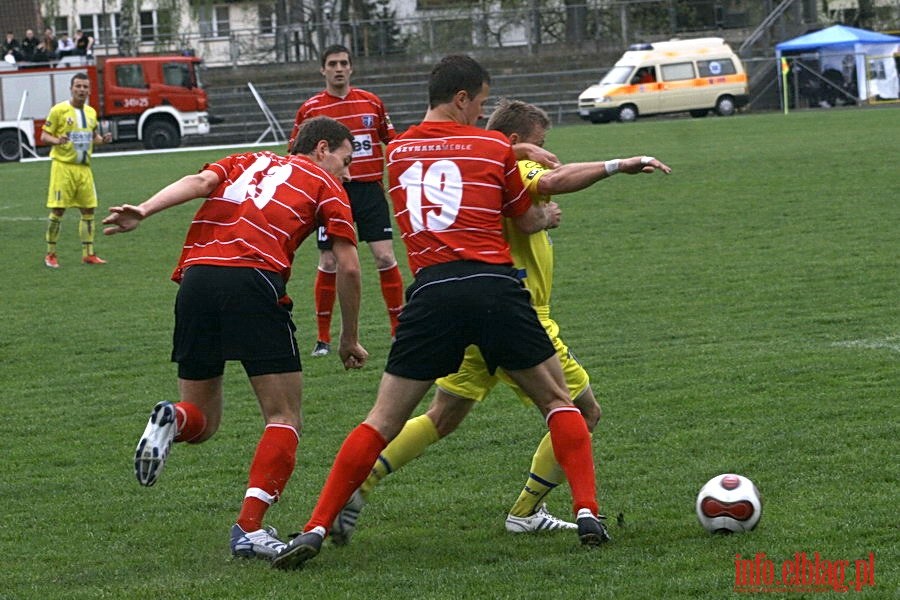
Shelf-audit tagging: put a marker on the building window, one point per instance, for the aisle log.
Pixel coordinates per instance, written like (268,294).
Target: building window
(104,28)
(155,25)
(61,26)
(267,19)
(214,21)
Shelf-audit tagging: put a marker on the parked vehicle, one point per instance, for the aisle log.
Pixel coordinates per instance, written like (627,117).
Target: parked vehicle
(693,76)
(153,99)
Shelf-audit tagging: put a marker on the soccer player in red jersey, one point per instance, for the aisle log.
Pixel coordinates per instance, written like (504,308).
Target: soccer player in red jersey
(232,303)
(365,115)
(451,184)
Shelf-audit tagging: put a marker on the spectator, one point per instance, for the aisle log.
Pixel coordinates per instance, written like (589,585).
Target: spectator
(84,44)
(40,53)
(50,42)
(65,47)
(11,47)
(29,45)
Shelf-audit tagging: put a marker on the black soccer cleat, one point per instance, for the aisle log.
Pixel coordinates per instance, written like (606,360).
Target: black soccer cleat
(591,530)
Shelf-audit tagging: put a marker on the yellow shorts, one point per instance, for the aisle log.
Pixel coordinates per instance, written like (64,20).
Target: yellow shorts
(71,186)
(473,380)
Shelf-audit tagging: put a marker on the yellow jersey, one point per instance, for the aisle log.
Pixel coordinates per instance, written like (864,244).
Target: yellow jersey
(77,123)
(533,253)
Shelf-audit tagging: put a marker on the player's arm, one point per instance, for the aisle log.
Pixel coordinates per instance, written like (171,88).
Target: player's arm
(348,284)
(127,217)
(535,153)
(577,176)
(48,137)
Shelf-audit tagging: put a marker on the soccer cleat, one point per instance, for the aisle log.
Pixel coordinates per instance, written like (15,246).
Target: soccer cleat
(541,520)
(153,449)
(591,530)
(93,259)
(299,550)
(50,260)
(262,543)
(321,349)
(345,523)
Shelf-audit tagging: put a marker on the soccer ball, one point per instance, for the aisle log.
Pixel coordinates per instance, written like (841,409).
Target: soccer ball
(728,504)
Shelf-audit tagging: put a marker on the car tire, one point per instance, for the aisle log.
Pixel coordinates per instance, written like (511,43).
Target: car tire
(725,106)
(628,113)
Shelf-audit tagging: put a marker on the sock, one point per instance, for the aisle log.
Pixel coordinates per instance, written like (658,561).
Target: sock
(392,290)
(54,223)
(545,475)
(189,421)
(325,292)
(273,463)
(417,434)
(572,448)
(86,233)
(351,466)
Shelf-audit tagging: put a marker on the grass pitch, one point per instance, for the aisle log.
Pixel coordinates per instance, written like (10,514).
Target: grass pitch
(740,315)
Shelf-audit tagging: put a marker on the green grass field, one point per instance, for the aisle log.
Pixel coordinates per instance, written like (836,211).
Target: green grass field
(740,315)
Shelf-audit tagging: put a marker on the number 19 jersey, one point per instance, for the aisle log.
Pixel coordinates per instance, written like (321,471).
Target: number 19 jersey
(451,185)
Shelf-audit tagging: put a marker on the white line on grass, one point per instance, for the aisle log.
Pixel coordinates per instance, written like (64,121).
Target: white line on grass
(164,151)
(891,343)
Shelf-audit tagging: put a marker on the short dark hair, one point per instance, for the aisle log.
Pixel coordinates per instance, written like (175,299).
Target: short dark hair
(455,73)
(317,129)
(78,76)
(515,116)
(335,49)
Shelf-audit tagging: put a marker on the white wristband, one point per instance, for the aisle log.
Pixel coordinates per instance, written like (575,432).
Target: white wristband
(612,167)
(646,160)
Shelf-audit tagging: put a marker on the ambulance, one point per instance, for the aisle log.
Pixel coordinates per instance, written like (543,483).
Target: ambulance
(695,76)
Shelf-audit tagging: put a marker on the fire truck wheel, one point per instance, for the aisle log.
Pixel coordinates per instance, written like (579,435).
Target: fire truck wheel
(161,134)
(9,146)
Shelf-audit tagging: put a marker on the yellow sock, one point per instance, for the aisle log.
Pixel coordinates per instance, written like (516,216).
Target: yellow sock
(54,223)
(86,233)
(545,475)
(411,442)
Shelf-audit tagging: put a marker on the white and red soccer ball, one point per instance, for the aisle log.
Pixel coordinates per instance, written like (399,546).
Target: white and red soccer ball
(729,503)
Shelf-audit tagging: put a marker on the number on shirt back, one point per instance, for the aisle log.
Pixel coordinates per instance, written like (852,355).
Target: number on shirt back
(433,197)
(244,188)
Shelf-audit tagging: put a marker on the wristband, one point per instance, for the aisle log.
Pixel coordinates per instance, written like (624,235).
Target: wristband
(612,167)
(646,160)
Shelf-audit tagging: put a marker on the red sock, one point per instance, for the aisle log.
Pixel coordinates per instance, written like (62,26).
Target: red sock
(325,292)
(352,465)
(572,448)
(392,290)
(270,470)
(189,421)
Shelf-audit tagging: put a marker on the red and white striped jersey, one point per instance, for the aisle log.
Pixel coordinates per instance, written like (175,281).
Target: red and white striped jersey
(263,208)
(451,184)
(364,114)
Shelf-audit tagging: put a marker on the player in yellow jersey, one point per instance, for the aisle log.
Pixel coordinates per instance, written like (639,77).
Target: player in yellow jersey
(71,128)
(457,393)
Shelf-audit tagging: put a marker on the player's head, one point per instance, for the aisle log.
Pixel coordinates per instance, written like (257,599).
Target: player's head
(80,86)
(519,121)
(336,49)
(453,74)
(327,142)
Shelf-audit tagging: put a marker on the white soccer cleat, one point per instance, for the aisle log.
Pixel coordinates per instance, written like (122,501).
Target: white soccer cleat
(156,442)
(345,523)
(261,543)
(541,520)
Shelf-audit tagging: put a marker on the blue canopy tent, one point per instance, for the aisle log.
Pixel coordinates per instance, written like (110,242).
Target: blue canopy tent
(868,54)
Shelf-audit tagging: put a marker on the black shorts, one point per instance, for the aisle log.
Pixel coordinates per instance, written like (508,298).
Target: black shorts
(370,213)
(233,313)
(453,305)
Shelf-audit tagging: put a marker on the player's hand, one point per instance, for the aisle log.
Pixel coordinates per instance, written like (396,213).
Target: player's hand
(353,356)
(122,218)
(63,139)
(107,138)
(642,164)
(554,215)
(535,153)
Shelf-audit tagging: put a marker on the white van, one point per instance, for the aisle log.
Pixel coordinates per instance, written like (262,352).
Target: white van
(693,76)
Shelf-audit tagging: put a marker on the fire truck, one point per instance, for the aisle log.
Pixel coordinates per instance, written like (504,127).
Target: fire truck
(152,99)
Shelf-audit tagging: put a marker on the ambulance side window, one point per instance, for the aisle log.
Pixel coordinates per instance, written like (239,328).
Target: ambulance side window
(716,67)
(678,71)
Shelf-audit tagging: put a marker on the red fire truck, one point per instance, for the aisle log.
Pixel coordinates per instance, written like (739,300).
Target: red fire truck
(153,99)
